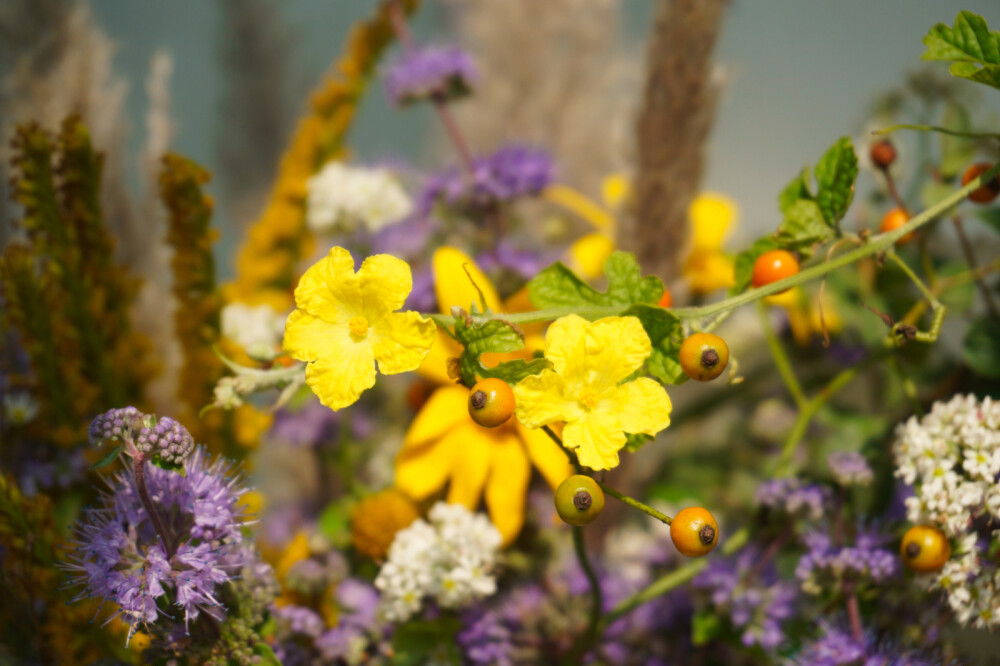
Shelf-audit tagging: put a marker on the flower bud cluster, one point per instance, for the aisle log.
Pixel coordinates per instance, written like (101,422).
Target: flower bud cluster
(164,440)
(167,439)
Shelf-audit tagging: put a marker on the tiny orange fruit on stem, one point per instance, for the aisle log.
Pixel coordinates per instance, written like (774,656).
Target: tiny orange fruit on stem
(772,266)
(990,189)
(694,531)
(579,500)
(703,356)
(491,402)
(666,300)
(893,220)
(883,154)
(924,548)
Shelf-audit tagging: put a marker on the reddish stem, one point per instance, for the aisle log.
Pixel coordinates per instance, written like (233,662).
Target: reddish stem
(893,192)
(139,472)
(854,615)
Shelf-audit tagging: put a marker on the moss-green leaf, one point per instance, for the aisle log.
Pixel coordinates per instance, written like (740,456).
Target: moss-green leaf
(797,189)
(803,227)
(835,175)
(107,458)
(491,337)
(557,286)
(970,45)
(666,335)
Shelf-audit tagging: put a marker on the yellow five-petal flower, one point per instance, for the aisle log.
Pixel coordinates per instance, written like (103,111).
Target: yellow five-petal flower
(346,321)
(586,390)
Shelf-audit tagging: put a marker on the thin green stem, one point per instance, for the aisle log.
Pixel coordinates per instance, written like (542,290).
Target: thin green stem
(915,279)
(781,359)
(645,508)
(939,129)
(596,596)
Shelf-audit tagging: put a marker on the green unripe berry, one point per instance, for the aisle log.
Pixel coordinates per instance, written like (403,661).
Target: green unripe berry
(579,500)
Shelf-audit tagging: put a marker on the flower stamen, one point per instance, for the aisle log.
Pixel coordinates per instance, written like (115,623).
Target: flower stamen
(358,326)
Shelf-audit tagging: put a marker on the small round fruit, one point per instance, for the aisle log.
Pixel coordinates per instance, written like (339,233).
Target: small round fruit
(883,154)
(772,266)
(924,548)
(579,500)
(893,220)
(694,531)
(703,356)
(491,403)
(666,300)
(989,191)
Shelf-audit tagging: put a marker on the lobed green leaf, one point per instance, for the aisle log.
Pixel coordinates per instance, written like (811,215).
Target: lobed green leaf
(972,47)
(666,335)
(804,226)
(557,286)
(835,174)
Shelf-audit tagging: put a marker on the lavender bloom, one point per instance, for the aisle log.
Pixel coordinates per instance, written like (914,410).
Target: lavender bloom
(511,172)
(824,562)
(118,555)
(299,620)
(526,263)
(115,424)
(838,647)
(794,497)
(353,634)
(168,440)
(314,424)
(441,72)
(485,639)
(850,468)
(757,602)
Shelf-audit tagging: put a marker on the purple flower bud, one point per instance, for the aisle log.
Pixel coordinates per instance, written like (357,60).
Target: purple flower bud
(442,72)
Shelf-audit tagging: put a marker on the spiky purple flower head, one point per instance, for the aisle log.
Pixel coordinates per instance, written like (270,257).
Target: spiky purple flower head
(826,564)
(792,496)
(442,72)
(164,439)
(837,647)
(119,557)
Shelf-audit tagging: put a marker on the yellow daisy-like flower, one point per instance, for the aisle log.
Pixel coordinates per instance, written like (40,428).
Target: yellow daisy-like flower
(707,267)
(585,389)
(586,256)
(346,321)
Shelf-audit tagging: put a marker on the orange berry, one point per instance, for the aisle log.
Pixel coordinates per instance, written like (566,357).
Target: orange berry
(924,548)
(666,300)
(703,356)
(989,191)
(491,402)
(772,266)
(893,220)
(694,531)
(883,154)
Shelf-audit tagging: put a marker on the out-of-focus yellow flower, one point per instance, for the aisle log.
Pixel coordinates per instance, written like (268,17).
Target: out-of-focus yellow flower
(346,321)
(376,519)
(803,314)
(445,446)
(584,389)
(252,502)
(249,424)
(616,189)
(707,267)
(296,551)
(588,253)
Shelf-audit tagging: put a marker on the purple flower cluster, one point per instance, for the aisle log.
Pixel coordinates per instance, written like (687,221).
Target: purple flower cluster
(167,439)
(299,620)
(511,172)
(757,603)
(850,468)
(838,647)
(315,424)
(825,562)
(794,497)
(442,72)
(118,555)
(115,425)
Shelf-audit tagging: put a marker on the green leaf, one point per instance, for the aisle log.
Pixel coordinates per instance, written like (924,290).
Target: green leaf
(971,46)
(512,371)
(108,458)
(744,262)
(414,642)
(169,466)
(705,626)
(557,286)
(981,349)
(666,335)
(956,151)
(934,192)
(266,654)
(835,175)
(491,337)
(634,442)
(797,189)
(803,227)
(335,520)
(991,216)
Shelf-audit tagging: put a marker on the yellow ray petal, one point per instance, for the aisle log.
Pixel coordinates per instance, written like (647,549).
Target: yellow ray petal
(707,271)
(507,486)
(579,203)
(444,410)
(472,464)
(588,253)
(597,438)
(712,216)
(642,406)
(329,288)
(453,286)
(547,456)
(566,346)
(385,282)
(423,471)
(401,341)
(615,189)
(616,347)
(544,398)
(341,376)
(308,338)
(435,365)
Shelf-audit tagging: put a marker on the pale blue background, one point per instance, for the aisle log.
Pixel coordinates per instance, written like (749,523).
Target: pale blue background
(802,74)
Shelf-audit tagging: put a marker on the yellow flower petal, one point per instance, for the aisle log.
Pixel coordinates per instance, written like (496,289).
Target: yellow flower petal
(330,289)
(423,471)
(385,282)
(712,216)
(544,398)
(642,406)
(308,338)
(597,438)
(566,345)
(435,365)
(616,347)
(615,189)
(444,410)
(707,271)
(472,464)
(339,378)
(588,254)
(401,340)
(547,456)
(453,286)
(507,486)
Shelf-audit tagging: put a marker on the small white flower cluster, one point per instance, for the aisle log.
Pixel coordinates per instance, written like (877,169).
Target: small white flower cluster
(952,458)
(252,326)
(343,198)
(19,408)
(449,559)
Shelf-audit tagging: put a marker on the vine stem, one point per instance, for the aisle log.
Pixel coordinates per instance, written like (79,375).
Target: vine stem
(597,596)
(645,508)
(139,472)
(781,359)
(873,246)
